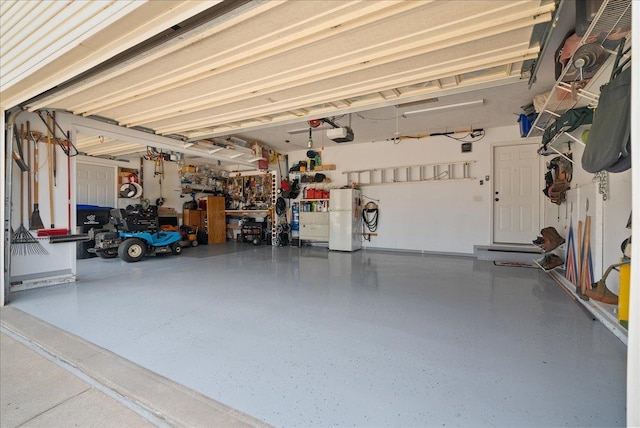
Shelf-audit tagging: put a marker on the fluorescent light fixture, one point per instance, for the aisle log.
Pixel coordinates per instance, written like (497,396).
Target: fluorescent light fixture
(235,155)
(216,150)
(256,159)
(237,140)
(187,145)
(467,104)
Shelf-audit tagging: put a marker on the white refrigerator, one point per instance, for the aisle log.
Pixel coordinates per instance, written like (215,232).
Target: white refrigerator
(345,220)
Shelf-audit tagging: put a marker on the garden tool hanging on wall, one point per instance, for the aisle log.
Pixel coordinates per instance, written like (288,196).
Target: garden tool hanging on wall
(50,168)
(35,220)
(65,142)
(67,147)
(51,141)
(159,172)
(18,154)
(23,243)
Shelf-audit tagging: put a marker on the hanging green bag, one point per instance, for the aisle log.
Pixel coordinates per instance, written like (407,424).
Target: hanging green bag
(568,122)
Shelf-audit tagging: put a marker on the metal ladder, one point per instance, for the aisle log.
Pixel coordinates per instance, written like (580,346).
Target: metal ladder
(444,171)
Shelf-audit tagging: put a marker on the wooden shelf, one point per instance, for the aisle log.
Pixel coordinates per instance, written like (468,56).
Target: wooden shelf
(241,212)
(200,189)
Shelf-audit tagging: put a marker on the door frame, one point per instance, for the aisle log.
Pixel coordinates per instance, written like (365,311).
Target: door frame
(541,211)
(89,160)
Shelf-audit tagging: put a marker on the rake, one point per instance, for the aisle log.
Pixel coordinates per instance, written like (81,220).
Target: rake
(23,243)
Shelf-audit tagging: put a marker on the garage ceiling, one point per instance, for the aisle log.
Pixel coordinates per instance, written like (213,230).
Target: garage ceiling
(255,70)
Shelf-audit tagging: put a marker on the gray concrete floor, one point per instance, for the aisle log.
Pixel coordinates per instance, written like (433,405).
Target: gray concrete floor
(307,337)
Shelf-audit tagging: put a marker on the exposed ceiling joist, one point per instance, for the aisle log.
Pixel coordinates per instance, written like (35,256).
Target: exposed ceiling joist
(179,125)
(242,66)
(315,72)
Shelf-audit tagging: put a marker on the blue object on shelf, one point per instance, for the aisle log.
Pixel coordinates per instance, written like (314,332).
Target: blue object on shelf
(525,125)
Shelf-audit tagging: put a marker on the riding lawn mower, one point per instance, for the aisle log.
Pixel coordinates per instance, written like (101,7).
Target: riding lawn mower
(137,235)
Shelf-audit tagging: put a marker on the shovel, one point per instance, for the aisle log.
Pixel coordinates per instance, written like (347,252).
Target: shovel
(36,220)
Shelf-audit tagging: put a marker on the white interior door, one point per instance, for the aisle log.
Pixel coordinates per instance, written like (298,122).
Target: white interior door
(96,185)
(516,194)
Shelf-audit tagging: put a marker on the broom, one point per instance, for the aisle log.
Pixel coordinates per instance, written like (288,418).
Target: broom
(50,166)
(23,243)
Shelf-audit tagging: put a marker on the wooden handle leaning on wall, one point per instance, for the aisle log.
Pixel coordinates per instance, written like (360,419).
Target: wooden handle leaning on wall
(50,149)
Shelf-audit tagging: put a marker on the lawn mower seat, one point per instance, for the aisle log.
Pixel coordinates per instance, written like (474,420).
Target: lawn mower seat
(135,219)
(118,219)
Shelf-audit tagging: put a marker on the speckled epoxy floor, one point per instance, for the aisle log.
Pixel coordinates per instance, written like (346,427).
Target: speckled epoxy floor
(307,337)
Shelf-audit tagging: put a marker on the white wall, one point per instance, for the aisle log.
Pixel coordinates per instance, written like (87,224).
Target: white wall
(443,216)
(170,190)
(447,216)
(609,217)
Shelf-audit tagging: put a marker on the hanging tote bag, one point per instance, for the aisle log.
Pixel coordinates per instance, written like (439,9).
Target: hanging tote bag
(609,144)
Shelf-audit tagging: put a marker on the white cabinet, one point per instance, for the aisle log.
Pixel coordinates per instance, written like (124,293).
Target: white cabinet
(314,224)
